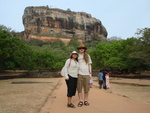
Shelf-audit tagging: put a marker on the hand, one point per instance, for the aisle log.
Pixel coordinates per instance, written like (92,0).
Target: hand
(90,76)
(67,79)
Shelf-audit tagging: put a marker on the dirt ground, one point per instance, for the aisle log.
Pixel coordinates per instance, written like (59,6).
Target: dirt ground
(25,95)
(137,89)
(40,95)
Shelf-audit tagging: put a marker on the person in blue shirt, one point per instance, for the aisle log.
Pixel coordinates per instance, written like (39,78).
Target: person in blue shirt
(100,79)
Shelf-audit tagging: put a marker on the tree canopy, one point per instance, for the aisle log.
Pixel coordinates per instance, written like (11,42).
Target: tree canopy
(130,55)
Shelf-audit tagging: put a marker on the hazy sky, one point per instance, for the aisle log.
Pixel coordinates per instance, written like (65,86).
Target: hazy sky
(121,18)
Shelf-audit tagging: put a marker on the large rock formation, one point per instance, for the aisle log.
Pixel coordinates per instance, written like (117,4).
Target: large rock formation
(48,22)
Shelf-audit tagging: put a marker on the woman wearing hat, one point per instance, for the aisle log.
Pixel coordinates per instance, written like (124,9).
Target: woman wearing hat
(71,72)
(84,76)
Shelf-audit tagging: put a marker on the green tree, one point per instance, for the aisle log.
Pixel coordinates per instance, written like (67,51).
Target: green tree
(74,42)
(21,55)
(57,44)
(47,61)
(4,45)
(123,55)
(141,50)
(144,34)
(14,54)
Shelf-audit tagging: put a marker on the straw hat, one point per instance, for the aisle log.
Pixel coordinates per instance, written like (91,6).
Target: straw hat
(82,46)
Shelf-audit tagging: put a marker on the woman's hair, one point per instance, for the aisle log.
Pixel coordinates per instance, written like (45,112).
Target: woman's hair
(86,58)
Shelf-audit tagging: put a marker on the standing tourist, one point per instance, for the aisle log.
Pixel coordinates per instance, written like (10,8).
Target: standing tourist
(104,78)
(84,76)
(71,72)
(107,80)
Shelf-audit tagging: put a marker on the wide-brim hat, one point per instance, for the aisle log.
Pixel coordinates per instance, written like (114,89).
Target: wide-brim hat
(82,46)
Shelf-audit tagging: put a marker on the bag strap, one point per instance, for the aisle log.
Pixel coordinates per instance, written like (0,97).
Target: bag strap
(70,62)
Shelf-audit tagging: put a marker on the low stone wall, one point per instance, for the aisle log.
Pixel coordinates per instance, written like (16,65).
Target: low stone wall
(44,74)
(10,74)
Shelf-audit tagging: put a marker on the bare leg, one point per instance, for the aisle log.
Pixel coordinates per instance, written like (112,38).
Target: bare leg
(69,103)
(86,96)
(69,100)
(80,99)
(80,96)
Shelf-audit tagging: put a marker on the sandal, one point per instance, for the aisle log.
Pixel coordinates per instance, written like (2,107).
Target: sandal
(80,104)
(71,105)
(86,103)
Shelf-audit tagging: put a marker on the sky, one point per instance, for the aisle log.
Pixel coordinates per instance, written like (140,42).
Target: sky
(121,18)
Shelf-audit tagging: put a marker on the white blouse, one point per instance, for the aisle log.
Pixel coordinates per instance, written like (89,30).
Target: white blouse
(71,68)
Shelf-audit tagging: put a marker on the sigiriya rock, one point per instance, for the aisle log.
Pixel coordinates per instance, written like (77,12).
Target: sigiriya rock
(46,24)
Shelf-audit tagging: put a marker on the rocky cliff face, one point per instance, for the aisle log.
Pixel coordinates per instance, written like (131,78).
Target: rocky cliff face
(49,22)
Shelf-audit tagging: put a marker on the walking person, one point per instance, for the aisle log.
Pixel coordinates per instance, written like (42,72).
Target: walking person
(100,79)
(84,76)
(71,72)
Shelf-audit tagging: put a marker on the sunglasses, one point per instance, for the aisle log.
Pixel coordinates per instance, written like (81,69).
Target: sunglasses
(81,48)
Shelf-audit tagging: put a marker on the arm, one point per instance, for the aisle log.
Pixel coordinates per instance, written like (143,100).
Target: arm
(90,70)
(98,76)
(66,69)
(90,66)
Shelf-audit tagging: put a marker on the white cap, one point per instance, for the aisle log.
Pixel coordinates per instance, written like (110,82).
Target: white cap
(74,52)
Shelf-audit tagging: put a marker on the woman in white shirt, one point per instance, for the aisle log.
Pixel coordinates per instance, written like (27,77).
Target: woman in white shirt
(71,72)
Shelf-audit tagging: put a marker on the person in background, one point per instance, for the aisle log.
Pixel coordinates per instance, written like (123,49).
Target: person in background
(104,79)
(84,76)
(107,80)
(100,79)
(71,73)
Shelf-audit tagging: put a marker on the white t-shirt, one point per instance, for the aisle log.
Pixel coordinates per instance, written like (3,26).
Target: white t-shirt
(71,68)
(83,66)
